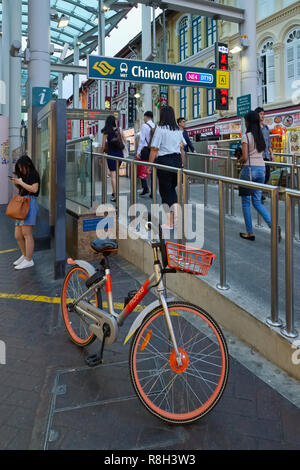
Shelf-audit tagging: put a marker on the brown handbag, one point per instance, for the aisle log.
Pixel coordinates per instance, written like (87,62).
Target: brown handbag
(18,207)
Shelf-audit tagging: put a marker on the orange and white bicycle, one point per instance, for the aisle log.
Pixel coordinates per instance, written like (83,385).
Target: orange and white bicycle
(178,356)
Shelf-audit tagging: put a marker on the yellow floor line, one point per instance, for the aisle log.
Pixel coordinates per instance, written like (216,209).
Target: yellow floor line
(56,300)
(8,251)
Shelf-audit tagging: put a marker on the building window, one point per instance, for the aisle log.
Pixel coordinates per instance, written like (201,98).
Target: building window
(211,32)
(196,34)
(183,102)
(292,60)
(196,103)
(211,101)
(268,67)
(183,43)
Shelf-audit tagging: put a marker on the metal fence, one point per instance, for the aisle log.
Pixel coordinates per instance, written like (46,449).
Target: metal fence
(224,182)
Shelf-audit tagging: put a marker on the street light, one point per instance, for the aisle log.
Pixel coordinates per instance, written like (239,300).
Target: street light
(63,21)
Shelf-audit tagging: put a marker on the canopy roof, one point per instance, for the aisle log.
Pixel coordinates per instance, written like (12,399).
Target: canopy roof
(83,24)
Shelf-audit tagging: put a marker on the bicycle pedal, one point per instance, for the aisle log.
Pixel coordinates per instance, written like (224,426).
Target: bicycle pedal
(94,360)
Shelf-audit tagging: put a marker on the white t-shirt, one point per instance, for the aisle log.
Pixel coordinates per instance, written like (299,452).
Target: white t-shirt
(167,141)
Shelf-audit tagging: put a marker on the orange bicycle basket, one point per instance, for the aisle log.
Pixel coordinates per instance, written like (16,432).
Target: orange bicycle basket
(190,260)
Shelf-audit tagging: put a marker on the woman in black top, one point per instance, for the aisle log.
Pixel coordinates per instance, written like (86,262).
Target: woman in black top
(27,182)
(109,133)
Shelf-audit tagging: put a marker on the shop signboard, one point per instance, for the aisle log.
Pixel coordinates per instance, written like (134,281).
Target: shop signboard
(131,106)
(112,68)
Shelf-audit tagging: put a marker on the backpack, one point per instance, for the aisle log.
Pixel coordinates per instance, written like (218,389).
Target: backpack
(117,140)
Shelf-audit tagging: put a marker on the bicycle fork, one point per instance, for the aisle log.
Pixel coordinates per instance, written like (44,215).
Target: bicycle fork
(161,290)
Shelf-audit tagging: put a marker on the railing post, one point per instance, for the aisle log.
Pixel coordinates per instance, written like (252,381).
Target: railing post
(222,254)
(117,198)
(104,180)
(274,320)
(205,181)
(133,178)
(93,188)
(179,203)
(232,202)
(185,203)
(289,329)
(298,187)
(154,178)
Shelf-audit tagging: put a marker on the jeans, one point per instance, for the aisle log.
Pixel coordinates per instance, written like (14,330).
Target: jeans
(258,176)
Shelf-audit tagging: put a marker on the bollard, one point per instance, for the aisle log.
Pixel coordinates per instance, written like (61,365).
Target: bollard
(289,330)
(222,284)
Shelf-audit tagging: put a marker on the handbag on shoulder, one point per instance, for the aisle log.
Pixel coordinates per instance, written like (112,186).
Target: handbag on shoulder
(117,140)
(243,191)
(18,207)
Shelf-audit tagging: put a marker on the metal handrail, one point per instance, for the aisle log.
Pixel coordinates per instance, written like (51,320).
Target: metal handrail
(289,329)
(76,141)
(182,175)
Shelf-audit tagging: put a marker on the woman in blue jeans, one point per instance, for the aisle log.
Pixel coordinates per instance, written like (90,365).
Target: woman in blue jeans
(253,146)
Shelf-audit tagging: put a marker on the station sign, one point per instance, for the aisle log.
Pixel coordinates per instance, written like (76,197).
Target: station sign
(111,68)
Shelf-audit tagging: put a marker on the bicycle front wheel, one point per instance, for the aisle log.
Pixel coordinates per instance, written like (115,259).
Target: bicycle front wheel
(179,393)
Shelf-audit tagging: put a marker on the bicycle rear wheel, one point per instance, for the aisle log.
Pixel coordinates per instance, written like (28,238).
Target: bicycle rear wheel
(73,287)
(179,394)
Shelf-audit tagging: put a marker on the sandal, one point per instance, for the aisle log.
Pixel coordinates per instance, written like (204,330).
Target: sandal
(247,237)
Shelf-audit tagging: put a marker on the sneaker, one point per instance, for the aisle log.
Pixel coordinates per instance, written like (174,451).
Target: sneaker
(113,198)
(19,260)
(25,264)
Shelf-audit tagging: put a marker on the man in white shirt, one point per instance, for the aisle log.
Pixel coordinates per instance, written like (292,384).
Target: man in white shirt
(143,150)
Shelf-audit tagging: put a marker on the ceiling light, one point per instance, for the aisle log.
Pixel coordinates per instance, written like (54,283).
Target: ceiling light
(63,21)
(105,9)
(236,50)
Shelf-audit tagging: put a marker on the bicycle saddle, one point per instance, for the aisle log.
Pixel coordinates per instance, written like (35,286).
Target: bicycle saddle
(105,247)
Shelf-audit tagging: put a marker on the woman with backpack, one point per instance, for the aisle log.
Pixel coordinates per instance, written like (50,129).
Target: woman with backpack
(254,169)
(113,143)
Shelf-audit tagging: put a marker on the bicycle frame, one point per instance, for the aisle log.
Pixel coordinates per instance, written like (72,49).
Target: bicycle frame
(129,308)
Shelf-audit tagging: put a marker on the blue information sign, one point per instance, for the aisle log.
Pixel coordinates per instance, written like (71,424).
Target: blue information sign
(111,68)
(41,96)
(90,225)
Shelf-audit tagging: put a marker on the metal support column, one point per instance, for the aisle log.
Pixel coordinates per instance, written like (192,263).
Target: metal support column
(14,128)
(146,52)
(5,54)
(101,52)
(76,123)
(249,55)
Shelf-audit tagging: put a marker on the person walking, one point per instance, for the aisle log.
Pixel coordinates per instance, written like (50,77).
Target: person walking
(27,181)
(268,153)
(182,123)
(168,146)
(143,151)
(253,147)
(113,143)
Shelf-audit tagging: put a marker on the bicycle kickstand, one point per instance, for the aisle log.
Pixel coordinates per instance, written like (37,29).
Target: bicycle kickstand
(96,359)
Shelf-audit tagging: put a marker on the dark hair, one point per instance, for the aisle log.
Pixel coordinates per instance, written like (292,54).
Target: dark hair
(259,110)
(253,126)
(180,119)
(167,118)
(149,114)
(110,123)
(25,162)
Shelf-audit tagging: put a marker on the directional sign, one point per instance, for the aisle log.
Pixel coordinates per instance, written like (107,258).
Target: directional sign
(111,68)
(243,105)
